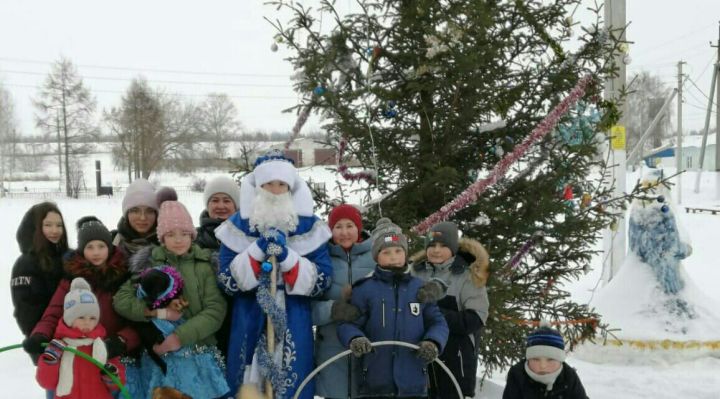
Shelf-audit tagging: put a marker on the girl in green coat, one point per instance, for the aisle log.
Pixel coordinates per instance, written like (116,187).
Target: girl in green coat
(203,315)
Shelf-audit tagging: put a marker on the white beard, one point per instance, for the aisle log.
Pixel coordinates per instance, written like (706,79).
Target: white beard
(273,211)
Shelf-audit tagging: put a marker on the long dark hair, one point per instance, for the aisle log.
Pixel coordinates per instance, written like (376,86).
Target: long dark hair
(42,247)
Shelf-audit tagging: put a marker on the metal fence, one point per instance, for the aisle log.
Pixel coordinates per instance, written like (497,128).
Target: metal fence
(49,194)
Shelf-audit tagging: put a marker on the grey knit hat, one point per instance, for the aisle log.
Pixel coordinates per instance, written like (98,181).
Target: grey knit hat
(80,301)
(225,185)
(387,234)
(445,233)
(90,228)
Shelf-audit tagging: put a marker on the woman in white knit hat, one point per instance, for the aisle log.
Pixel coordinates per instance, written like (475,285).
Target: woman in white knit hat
(221,199)
(136,228)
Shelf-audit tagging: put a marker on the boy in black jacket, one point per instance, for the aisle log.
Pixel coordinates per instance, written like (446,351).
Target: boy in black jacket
(460,267)
(543,373)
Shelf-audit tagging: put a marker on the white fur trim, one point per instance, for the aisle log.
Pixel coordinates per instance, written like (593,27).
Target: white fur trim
(161,313)
(290,261)
(233,237)
(243,272)
(306,278)
(66,374)
(276,170)
(256,253)
(302,196)
(318,235)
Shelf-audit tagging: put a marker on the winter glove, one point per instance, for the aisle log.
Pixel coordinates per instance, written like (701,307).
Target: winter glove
(431,291)
(106,379)
(427,352)
(170,344)
(277,244)
(33,344)
(343,311)
(54,351)
(360,346)
(115,346)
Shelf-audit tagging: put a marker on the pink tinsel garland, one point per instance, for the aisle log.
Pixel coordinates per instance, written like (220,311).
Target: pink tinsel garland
(299,123)
(366,175)
(472,193)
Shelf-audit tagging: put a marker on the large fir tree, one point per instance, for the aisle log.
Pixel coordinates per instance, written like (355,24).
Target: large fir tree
(411,86)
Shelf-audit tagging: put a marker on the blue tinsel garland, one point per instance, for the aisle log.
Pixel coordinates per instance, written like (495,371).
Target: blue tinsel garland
(268,368)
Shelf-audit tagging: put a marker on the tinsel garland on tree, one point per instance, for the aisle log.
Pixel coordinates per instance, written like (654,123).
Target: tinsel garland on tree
(411,87)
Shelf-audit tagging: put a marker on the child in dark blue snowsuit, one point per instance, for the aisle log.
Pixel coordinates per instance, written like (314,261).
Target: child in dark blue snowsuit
(388,309)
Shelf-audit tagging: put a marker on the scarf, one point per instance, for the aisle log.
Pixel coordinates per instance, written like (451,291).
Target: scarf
(546,379)
(75,338)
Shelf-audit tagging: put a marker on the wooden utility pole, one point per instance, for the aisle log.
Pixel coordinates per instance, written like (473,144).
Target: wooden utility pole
(717,123)
(679,149)
(615,237)
(701,162)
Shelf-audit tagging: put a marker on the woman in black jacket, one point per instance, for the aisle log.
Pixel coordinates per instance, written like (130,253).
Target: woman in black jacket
(222,197)
(35,276)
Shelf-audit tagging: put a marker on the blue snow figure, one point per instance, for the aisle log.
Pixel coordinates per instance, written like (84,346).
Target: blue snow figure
(654,235)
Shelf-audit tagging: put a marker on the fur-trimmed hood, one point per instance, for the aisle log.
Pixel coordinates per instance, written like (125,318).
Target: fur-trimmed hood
(107,278)
(470,252)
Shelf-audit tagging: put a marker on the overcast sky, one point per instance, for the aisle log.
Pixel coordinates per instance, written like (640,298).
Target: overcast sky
(196,47)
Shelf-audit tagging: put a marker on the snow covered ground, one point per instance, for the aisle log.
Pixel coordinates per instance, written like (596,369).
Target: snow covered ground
(698,378)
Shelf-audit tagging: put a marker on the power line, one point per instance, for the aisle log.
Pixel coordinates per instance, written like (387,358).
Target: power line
(179,94)
(698,88)
(682,36)
(157,81)
(699,107)
(123,68)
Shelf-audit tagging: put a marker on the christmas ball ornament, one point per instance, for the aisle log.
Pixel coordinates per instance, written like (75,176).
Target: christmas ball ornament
(665,209)
(319,91)
(376,51)
(369,51)
(568,193)
(274,47)
(266,267)
(391,113)
(278,39)
(660,198)
(627,60)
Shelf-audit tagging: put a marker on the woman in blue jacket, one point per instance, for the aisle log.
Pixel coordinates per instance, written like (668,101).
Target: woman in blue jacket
(351,260)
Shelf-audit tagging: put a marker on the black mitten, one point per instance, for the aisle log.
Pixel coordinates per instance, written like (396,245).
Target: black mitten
(33,344)
(115,346)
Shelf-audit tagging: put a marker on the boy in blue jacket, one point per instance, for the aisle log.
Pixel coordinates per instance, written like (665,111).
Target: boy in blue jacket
(389,310)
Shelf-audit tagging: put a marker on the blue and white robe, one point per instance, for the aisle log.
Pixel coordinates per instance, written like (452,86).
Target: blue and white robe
(309,270)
